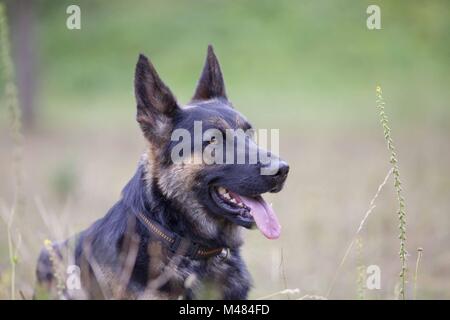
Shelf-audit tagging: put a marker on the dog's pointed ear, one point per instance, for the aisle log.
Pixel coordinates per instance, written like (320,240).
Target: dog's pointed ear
(211,84)
(155,102)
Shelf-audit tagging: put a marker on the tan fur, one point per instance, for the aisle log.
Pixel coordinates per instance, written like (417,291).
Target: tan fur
(176,183)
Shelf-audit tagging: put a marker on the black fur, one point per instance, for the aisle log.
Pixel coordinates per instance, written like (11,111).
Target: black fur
(177,197)
(106,236)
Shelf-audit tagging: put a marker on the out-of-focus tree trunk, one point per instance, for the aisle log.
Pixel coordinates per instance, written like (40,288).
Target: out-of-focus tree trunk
(23,48)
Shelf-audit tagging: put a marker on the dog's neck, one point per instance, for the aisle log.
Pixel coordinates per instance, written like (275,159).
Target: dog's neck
(142,194)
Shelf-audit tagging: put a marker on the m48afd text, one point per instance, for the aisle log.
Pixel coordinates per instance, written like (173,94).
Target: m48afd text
(226,309)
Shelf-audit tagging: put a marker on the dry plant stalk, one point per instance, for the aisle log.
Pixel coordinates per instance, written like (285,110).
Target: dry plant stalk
(401,213)
(360,270)
(282,292)
(358,231)
(15,114)
(419,257)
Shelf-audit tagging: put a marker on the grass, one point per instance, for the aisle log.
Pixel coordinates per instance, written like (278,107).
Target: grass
(398,188)
(334,169)
(356,238)
(401,213)
(360,271)
(58,269)
(372,224)
(15,114)
(272,54)
(416,273)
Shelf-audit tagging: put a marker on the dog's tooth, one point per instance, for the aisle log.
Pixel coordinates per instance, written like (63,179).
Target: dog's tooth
(222,190)
(227,195)
(233,200)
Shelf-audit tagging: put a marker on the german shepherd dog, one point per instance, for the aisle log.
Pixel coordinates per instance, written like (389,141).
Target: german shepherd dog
(176,232)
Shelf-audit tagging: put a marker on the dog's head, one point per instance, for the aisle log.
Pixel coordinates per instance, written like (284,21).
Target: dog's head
(202,155)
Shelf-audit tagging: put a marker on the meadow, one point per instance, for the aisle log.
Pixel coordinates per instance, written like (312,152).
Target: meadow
(307,68)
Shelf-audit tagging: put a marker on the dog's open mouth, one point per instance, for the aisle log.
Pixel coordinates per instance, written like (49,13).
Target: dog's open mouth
(246,211)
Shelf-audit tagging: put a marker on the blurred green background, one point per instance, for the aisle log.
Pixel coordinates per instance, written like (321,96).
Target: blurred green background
(309,68)
(292,60)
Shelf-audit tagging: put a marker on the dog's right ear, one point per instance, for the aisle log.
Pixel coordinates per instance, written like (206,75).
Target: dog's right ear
(155,102)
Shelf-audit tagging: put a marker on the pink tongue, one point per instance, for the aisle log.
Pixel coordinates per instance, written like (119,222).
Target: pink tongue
(264,216)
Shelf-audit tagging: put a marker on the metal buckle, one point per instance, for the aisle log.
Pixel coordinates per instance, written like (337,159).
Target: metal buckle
(224,254)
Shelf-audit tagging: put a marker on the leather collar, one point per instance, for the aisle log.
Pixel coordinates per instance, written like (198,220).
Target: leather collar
(180,245)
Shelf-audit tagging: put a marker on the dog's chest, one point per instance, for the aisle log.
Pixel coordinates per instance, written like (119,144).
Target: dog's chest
(180,277)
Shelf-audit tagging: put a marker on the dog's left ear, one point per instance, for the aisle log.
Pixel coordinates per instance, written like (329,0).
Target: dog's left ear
(156,104)
(211,84)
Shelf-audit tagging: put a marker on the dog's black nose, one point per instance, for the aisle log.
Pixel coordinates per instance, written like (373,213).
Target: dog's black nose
(276,169)
(283,170)
(279,177)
